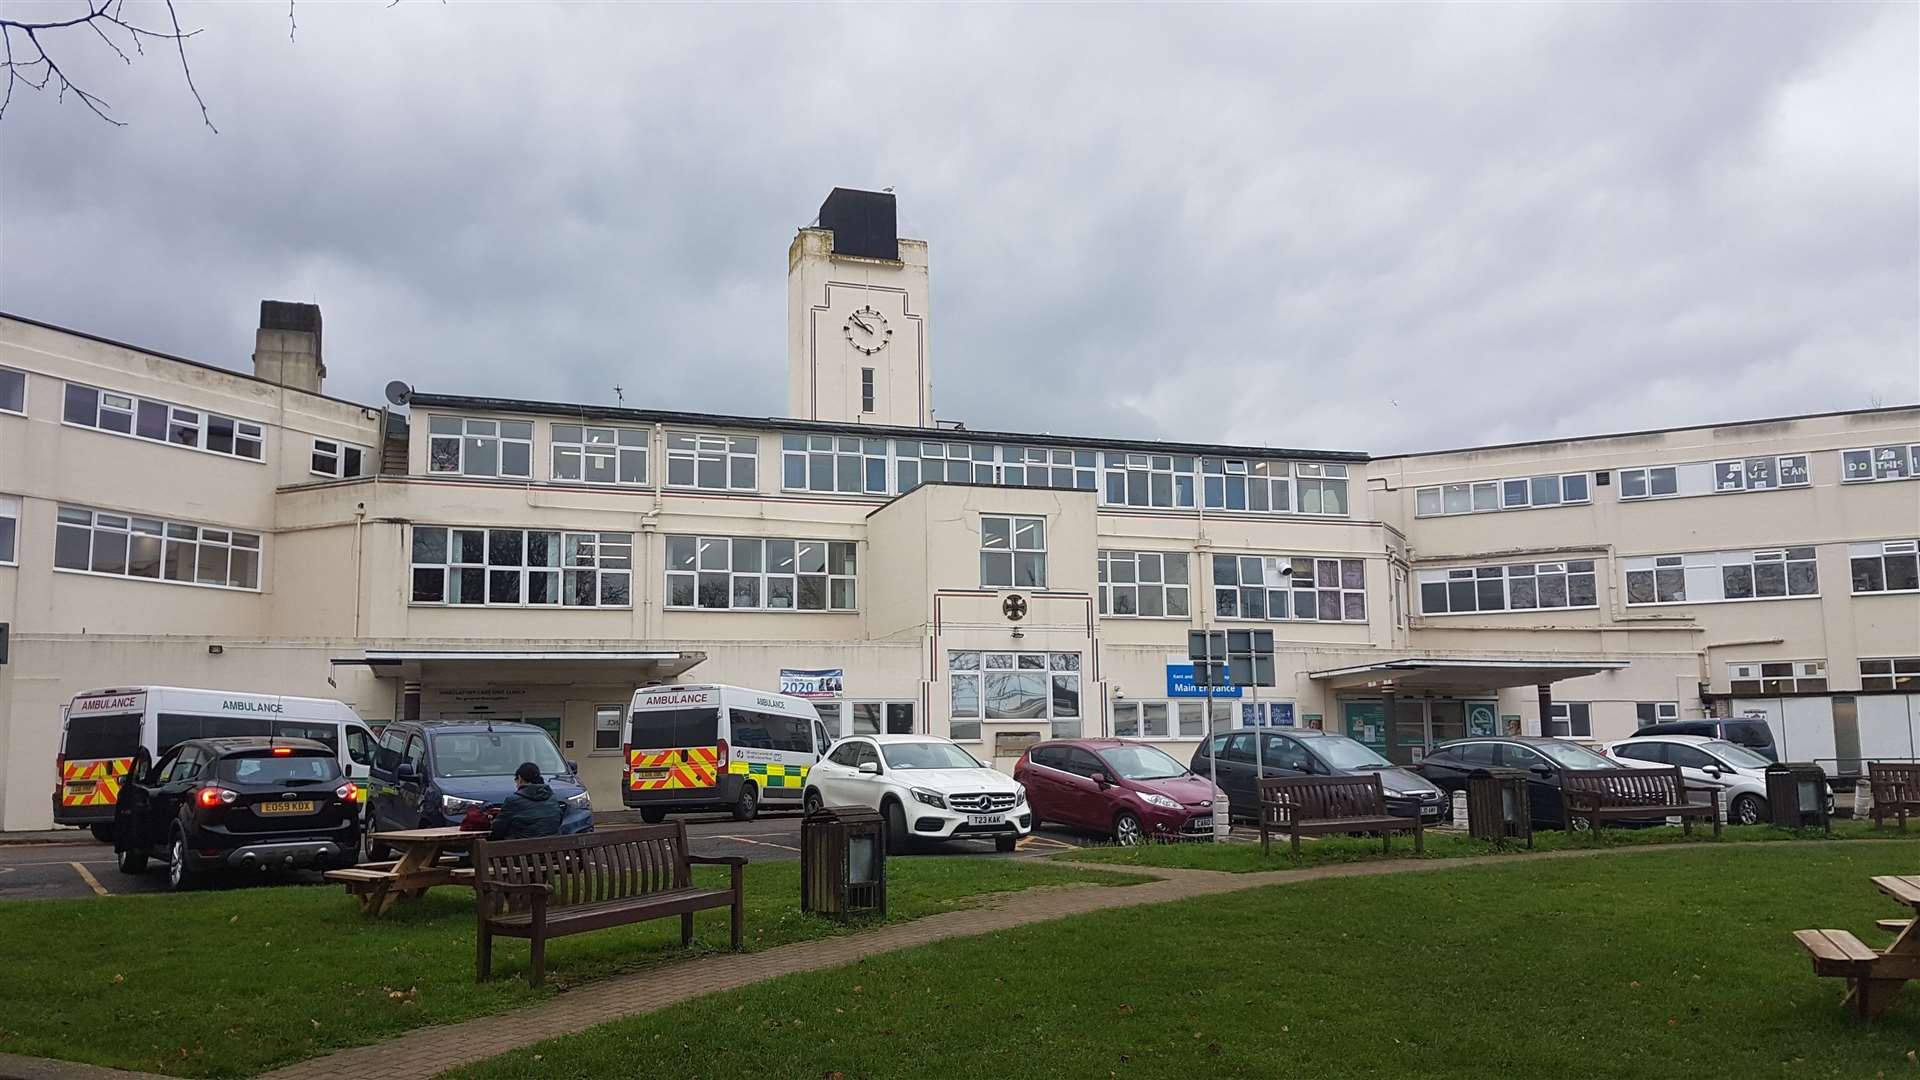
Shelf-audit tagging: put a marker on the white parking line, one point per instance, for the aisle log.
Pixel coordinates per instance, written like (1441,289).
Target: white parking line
(92,882)
(748,840)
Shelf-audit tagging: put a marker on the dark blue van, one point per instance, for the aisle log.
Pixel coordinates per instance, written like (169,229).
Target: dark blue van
(429,773)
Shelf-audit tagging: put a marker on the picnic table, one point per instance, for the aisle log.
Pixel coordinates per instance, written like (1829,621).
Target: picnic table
(1874,977)
(426,860)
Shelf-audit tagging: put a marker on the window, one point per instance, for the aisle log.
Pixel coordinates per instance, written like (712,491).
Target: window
(919,463)
(1013,552)
(1711,577)
(1893,566)
(845,718)
(521,568)
(713,462)
(1300,588)
(1892,673)
(1515,587)
(719,573)
(1714,477)
(471,446)
(144,418)
(101,542)
(338,459)
(1570,720)
(1256,486)
(866,389)
(586,454)
(1144,584)
(1320,488)
(13,391)
(1144,719)
(1033,466)
(1656,712)
(1879,463)
(841,464)
(1158,480)
(1014,686)
(1487,496)
(1778,677)
(9,530)
(607,726)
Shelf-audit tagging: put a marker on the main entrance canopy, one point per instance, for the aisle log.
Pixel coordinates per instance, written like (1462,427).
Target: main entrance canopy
(526,666)
(1459,675)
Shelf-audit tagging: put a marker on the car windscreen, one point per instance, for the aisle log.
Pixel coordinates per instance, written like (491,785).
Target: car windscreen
(115,735)
(1569,756)
(1735,755)
(670,729)
(1341,752)
(494,753)
(927,755)
(1141,763)
(265,767)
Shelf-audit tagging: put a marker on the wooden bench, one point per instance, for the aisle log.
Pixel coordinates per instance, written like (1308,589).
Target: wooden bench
(1319,805)
(1873,978)
(1896,790)
(553,886)
(1633,794)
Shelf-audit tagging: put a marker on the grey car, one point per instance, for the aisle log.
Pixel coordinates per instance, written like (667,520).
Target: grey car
(1306,752)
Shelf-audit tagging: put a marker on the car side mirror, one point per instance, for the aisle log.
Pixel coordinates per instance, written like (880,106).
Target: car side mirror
(573,767)
(406,773)
(1712,770)
(868,768)
(1541,771)
(1100,778)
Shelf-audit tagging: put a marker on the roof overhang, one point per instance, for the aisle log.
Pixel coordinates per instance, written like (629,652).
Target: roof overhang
(1460,674)
(536,666)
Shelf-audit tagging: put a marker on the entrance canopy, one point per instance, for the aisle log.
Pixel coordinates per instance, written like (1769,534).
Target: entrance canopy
(523,666)
(1459,674)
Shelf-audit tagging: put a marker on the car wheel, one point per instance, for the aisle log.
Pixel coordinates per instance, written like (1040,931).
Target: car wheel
(180,876)
(1749,810)
(653,815)
(1005,843)
(747,806)
(812,803)
(131,862)
(1126,829)
(1581,825)
(897,838)
(102,833)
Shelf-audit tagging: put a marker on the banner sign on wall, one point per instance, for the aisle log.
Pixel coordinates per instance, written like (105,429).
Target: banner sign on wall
(813,682)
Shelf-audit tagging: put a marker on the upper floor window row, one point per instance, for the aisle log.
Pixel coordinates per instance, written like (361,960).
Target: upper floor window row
(919,463)
(587,454)
(13,391)
(470,446)
(720,573)
(829,463)
(1714,477)
(1297,588)
(1144,584)
(145,418)
(1778,677)
(1711,577)
(1515,587)
(1488,496)
(124,545)
(521,568)
(1890,673)
(713,462)
(1880,463)
(1892,566)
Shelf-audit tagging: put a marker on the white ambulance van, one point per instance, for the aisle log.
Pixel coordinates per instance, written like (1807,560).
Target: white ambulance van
(107,734)
(718,748)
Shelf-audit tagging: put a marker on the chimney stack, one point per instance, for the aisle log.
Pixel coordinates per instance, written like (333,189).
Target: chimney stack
(286,348)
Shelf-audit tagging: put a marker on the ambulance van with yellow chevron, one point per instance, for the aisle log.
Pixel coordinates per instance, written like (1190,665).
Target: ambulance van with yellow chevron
(718,748)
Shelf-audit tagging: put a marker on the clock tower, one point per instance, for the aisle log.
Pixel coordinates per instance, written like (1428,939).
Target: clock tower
(857,317)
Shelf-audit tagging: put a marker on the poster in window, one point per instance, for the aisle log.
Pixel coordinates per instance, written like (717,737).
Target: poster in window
(1480,718)
(813,682)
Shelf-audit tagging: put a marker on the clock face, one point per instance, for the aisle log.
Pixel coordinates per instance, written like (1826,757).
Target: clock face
(866,330)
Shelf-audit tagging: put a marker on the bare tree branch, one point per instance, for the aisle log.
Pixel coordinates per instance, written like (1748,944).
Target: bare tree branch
(291,25)
(37,69)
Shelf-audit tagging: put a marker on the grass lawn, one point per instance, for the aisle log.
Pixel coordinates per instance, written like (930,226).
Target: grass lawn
(1243,858)
(227,983)
(1671,963)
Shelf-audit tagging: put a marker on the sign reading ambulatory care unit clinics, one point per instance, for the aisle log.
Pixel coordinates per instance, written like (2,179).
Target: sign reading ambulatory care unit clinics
(813,682)
(1180,682)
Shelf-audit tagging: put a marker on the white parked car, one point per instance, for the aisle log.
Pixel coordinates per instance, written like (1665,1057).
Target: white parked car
(927,788)
(1738,772)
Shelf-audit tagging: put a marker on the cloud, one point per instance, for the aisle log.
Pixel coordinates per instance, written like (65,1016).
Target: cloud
(1380,228)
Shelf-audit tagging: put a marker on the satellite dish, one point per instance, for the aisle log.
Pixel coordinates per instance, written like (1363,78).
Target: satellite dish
(399,393)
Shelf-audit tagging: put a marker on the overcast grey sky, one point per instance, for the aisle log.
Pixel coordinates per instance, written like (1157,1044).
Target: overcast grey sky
(1356,227)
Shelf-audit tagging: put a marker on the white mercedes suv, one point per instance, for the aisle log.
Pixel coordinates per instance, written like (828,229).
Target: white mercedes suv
(927,788)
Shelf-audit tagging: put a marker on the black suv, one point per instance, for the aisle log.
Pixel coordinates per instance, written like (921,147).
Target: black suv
(239,803)
(1755,735)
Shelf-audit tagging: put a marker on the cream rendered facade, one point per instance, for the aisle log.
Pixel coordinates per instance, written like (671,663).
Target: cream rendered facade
(905,594)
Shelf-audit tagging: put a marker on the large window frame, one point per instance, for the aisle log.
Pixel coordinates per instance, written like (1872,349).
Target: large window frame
(598,454)
(459,566)
(1709,577)
(138,547)
(1155,481)
(1570,720)
(833,464)
(1254,587)
(1145,585)
(1726,476)
(9,530)
(1046,467)
(1013,552)
(999,687)
(761,574)
(1567,585)
(1771,678)
(1175,720)
(918,462)
(847,717)
(13,391)
(1542,492)
(1877,464)
(339,460)
(1646,713)
(609,728)
(709,461)
(1890,566)
(1894,673)
(464,446)
(151,420)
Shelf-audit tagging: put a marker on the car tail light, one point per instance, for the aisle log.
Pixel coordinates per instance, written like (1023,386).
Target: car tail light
(723,755)
(349,792)
(214,796)
(282,751)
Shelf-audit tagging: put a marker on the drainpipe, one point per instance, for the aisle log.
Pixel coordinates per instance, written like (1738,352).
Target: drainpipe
(359,561)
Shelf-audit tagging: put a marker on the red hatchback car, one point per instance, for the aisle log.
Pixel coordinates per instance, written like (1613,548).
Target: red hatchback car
(1125,790)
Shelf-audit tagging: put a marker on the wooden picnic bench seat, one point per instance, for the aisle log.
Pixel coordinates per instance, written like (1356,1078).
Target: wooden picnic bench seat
(1873,977)
(553,886)
(1896,790)
(1320,805)
(1633,794)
